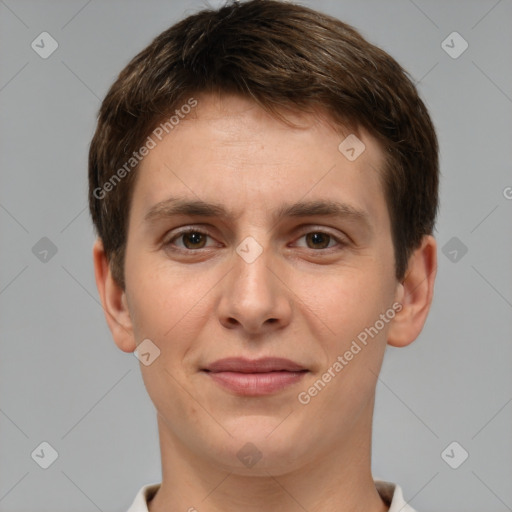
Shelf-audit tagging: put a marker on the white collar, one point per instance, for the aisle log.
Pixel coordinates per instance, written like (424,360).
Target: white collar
(391,494)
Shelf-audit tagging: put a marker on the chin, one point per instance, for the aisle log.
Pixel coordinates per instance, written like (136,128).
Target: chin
(258,459)
(261,446)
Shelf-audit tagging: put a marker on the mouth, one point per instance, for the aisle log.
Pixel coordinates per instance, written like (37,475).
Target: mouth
(255,377)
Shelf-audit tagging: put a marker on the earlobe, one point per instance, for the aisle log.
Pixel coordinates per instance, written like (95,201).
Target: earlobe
(416,293)
(113,300)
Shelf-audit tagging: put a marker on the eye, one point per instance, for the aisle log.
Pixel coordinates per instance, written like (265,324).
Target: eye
(320,240)
(192,239)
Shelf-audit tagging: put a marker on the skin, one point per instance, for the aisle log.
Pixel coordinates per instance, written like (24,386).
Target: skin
(303,298)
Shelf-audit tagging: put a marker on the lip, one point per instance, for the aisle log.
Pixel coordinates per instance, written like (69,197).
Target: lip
(261,365)
(255,377)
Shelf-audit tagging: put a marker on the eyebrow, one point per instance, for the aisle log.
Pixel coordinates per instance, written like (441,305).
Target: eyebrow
(197,208)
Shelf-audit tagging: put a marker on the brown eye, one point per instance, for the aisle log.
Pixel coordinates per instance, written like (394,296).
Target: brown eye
(318,239)
(194,240)
(190,240)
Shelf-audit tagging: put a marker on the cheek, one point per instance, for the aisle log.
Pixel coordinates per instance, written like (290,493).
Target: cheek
(166,303)
(148,297)
(347,312)
(345,302)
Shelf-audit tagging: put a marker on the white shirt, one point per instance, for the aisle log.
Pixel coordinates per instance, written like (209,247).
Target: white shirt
(389,492)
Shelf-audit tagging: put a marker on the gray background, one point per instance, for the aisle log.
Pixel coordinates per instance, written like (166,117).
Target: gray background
(63,380)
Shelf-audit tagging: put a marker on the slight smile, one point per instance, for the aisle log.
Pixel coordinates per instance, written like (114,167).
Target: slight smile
(255,377)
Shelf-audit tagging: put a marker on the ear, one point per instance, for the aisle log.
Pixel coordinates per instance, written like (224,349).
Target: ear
(113,300)
(415,294)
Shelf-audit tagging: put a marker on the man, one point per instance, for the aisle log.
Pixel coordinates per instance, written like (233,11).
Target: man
(264,185)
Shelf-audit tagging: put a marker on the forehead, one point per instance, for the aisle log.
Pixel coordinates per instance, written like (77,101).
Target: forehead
(229,150)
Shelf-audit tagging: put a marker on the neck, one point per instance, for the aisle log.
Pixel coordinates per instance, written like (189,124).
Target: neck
(338,480)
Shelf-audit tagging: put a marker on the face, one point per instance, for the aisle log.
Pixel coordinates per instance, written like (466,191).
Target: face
(286,271)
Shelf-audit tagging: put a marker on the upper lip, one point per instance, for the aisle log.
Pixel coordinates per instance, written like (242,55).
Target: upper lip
(262,365)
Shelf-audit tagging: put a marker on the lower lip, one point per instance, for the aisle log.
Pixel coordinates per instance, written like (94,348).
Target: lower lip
(256,384)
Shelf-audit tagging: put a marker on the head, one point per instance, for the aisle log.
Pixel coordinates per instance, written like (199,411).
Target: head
(253,108)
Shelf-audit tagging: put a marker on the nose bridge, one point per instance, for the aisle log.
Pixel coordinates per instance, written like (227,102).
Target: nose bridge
(253,264)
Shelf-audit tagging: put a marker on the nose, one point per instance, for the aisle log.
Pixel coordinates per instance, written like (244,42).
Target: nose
(255,298)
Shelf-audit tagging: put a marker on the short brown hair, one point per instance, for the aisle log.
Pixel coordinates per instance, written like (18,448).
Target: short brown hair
(282,56)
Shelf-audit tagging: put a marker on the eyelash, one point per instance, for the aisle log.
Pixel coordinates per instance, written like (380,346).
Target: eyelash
(168,244)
